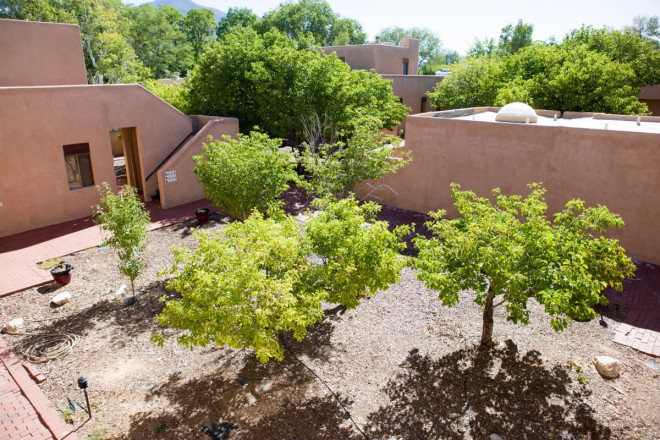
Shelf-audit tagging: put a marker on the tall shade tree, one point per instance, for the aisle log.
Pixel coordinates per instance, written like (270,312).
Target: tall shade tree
(253,280)
(274,82)
(245,174)
(507,250)
(627,48)
(513,38)
(473,82)
(647,27)
(242,17)
(157,38)
(567,77)
(314,17)
(570,79)
(199,26)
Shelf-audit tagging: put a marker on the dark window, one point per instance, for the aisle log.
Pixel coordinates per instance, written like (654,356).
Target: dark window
(405,66)
(343,59)
(78,165)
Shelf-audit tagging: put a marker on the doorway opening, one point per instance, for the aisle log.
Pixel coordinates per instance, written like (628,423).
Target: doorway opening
(125,151)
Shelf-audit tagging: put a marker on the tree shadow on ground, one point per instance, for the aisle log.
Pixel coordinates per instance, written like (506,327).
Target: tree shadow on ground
(485,392)
(316,343)
(133,319)
(241,399)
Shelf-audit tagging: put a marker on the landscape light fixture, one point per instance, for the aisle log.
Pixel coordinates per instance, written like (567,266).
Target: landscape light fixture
(83,383)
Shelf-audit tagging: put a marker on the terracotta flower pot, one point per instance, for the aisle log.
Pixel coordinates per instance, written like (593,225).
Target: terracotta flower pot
(62,273)
(202,215)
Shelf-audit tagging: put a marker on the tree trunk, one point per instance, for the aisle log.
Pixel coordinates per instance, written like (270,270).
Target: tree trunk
(487,332)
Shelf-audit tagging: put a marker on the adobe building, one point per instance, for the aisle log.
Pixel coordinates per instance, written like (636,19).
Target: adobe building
(57,133)
(398,64)
(650,95)
(603,159)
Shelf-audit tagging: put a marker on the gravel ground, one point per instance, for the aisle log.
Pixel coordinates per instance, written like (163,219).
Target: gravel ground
(402,365)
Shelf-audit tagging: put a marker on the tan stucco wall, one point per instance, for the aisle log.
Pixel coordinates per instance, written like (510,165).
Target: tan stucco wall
(40,54)
(613,168)
(411,89)
(186,188)
(383,58)
(37,121)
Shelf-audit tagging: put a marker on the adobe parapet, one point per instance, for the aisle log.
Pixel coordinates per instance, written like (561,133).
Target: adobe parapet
(553,118)
(40,54)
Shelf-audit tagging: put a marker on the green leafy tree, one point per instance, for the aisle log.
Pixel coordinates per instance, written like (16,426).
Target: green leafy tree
(243,286)
(244,174)
(625,48)
(125,218)
(482,47)
(345,31)
(473,82)
(242,17)
(567,77)
(157,38)
(199,26)
(575,79)
(513,38)
(253,280)
(311,17)
(274,82)
(508,250)
(442,61)
(170,93)
(430,45)
(647,27)
(338,169)
(359,256)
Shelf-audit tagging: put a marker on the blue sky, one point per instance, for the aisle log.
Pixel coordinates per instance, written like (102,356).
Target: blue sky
(458,22)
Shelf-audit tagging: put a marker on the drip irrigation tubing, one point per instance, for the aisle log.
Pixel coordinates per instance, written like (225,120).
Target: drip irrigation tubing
(300,393)
(46,347)
(331,391)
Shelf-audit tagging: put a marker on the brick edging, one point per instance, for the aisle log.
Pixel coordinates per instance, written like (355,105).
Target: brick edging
(47,414)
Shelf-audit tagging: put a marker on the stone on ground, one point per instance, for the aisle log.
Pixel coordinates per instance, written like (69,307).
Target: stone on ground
(607,366)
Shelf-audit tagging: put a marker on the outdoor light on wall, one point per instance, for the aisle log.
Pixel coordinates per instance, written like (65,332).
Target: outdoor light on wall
(83,383)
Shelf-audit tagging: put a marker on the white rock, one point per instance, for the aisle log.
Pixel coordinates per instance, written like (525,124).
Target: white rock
(61,298)
(14,325)
(494,437)
(607,366)
(122,290)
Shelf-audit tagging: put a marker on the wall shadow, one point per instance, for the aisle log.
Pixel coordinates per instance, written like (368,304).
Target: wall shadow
(485,392)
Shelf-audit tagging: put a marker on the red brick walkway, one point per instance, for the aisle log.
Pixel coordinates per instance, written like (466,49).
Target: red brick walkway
(25,412)
(641,296)
(20,253)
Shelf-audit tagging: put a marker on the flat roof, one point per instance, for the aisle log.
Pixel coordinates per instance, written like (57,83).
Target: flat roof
(546,118)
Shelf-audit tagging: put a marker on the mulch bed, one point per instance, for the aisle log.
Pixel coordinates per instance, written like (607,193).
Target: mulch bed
(400,366)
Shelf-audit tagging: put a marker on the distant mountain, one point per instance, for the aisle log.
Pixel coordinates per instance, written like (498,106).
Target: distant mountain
(184,6)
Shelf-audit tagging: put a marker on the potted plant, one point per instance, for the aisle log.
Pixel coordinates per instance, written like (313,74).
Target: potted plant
(62,273)
(202,215)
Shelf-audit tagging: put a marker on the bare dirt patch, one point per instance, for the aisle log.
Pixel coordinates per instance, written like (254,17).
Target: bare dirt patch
(402,365)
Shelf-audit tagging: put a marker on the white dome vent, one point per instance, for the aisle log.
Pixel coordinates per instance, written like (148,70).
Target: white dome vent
(516,112)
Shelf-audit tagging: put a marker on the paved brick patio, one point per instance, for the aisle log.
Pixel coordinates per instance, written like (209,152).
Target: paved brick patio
(21,253)
(25,412)
(641,296)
